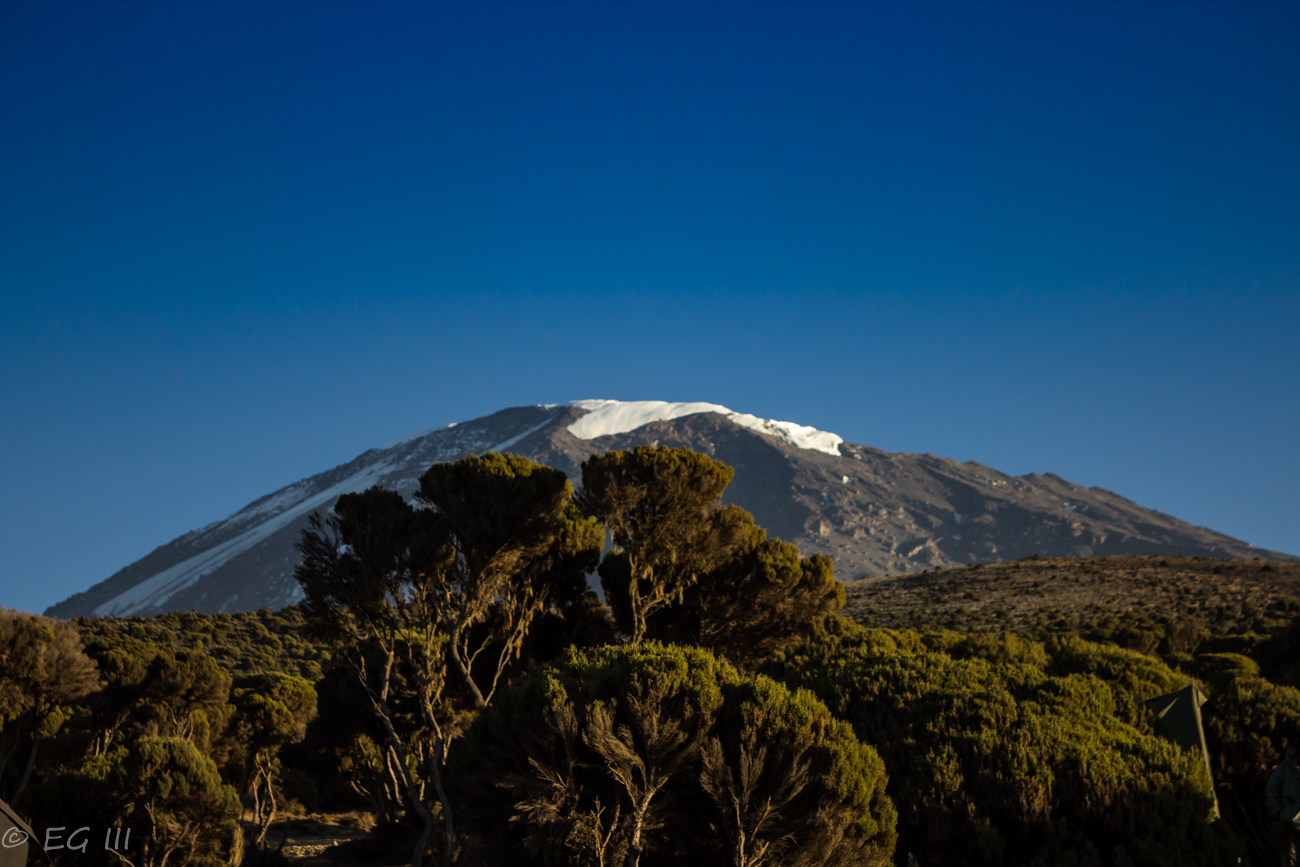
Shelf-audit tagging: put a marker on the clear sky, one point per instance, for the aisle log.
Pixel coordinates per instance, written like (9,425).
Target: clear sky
(241,243)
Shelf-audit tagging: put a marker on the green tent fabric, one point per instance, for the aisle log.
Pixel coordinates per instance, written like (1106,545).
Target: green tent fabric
(15,838)
(1178,717)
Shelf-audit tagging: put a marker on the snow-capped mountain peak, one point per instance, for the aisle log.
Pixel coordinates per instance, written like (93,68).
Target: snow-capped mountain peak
(609,417)
(874,512)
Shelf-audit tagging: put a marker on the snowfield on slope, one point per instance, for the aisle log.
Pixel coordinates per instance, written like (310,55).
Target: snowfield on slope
(608,417)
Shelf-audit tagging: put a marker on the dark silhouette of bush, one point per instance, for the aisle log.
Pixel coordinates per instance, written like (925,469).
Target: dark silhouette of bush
(168,793)
(662,507)
(43,669)
(705,574)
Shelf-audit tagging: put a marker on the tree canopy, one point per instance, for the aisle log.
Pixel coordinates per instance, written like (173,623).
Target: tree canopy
(42,666)
(760,599)
(662,507)
(451,588)
(653,754)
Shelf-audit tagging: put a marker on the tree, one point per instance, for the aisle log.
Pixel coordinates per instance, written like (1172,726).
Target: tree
(1131,677)
(174,794)
(374,575)
(452,588)
(271,710)
(997,759)
(792,785)
(573,613)
(150,691)
(348,749)
(42,666)
(563,567)
(649,754)
(1248,724)
(184,695)
(761,600)
(503,514)
(124,664)
(662,507)
(767,601)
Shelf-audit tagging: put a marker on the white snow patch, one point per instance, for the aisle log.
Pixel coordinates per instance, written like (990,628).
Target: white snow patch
(157,589)
(514,439)
(608,417)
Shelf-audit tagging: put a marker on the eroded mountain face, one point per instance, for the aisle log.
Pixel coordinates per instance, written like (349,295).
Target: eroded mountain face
(873,512)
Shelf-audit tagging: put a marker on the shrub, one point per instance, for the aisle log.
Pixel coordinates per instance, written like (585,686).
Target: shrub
(666,755)
(164,789)
(1007,761)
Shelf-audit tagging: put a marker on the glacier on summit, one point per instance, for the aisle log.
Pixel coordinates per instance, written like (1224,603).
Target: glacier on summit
(607,417)
(398,466)
(874,512)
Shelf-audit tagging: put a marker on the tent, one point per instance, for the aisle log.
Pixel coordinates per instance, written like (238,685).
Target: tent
(15,838)
(1178,717)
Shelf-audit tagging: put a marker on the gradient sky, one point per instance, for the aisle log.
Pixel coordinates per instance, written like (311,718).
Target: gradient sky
(240,243)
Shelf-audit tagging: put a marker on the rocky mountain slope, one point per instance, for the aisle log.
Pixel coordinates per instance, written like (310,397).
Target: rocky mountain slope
(874,512)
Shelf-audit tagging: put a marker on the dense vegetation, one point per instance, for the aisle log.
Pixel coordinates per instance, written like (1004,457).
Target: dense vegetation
(451,679)
(654,754)
(1008,751)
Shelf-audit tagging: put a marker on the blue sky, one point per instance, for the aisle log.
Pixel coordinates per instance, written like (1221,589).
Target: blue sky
(240,243)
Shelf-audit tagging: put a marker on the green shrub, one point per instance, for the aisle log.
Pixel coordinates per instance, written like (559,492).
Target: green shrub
(666,755)
(1133,677)
(997,759)
(167,792)
(1248,720)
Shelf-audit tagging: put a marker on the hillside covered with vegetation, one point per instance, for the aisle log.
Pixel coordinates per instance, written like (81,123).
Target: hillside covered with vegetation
(452,686)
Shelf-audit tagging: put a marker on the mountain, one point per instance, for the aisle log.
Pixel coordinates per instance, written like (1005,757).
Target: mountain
(873,512)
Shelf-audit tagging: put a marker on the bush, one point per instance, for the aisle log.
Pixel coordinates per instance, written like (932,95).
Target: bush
(997,759)
(1250,719)
(1133,677)
(666,755)
(164,789)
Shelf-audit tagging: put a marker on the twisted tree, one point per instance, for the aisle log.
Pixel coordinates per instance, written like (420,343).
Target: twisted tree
(373,575)
(271,710)
(446,590)
(504,517)
(662,507)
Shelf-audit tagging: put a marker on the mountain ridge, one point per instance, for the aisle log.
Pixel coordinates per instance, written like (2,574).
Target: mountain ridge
(873,512)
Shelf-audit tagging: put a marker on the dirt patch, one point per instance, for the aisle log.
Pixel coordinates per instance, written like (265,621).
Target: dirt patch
(315,841)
